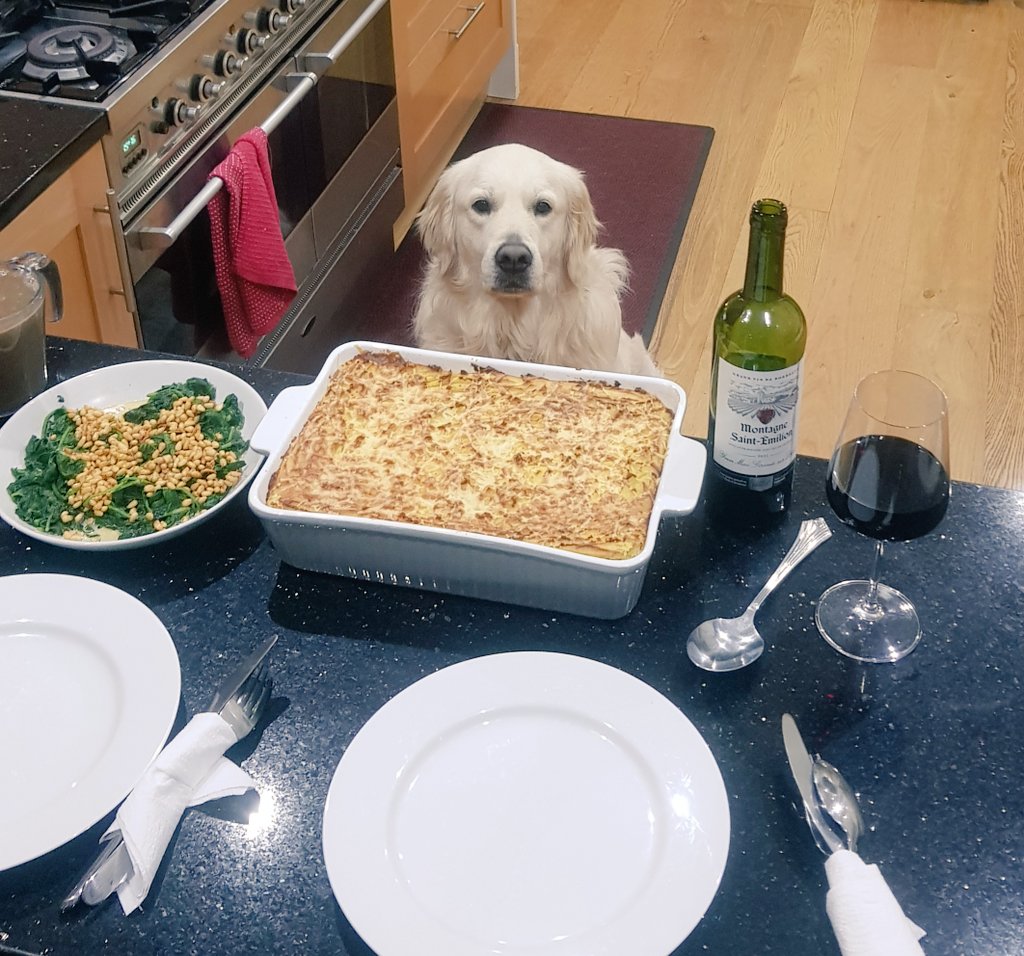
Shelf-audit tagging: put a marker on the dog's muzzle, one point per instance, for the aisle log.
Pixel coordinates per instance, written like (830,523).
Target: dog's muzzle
(513,261)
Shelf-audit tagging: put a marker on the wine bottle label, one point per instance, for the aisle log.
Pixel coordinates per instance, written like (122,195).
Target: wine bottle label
(755,420)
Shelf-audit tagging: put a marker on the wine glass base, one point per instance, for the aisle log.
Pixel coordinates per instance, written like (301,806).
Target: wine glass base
(878,632)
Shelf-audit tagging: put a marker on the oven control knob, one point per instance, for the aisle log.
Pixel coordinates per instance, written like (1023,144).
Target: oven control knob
(268,21)
(273,21)
(202,88)
(227,63)
(177,112)
(249,41)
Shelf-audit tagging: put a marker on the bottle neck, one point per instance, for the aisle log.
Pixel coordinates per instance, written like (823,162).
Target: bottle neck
(763,279)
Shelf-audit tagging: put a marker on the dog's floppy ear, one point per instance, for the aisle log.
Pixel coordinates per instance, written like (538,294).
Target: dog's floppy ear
(583,226)
(436,222)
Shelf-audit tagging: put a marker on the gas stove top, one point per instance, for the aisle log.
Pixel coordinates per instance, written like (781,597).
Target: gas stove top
(168,74)
(81,51)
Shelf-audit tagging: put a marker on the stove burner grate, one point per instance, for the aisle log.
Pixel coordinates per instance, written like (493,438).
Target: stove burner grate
(76,52)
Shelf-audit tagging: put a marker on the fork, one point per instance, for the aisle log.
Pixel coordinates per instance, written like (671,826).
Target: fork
(242,713)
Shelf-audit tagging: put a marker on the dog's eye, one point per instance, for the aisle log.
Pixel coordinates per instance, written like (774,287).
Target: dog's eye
(541,207)
(482,206)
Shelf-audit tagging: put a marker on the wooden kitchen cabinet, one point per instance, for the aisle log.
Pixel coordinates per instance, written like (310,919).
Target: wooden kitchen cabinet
(68,223)
(445,53)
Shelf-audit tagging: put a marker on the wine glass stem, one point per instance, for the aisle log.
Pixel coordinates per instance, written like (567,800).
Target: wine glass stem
(871,598)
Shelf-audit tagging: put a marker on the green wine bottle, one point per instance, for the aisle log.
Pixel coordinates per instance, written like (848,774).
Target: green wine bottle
(759,336)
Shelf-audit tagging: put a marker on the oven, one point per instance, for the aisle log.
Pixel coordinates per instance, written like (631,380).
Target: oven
(330,115)
(180,81)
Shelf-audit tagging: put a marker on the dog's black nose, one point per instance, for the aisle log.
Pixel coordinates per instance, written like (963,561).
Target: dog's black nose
(513,258)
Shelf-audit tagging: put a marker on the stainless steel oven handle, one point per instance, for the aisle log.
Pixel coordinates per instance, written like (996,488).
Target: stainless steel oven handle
(320,63)
(153,237)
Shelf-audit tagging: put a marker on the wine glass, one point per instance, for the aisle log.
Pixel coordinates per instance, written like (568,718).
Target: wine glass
(889,479)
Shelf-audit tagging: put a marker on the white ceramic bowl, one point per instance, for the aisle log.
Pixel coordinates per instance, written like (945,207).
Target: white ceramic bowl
(462,562)
(106,388)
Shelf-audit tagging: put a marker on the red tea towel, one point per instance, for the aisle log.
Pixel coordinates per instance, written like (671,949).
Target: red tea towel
(254,274)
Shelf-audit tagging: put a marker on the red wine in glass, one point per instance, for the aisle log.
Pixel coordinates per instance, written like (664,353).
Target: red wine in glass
(889,480)
(888,488)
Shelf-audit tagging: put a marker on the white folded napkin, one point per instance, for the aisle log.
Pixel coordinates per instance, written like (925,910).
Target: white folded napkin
(865,916)
(190,770)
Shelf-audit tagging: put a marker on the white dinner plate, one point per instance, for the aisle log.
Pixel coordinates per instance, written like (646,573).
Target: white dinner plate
(91,685)
(110,387)
(526,803)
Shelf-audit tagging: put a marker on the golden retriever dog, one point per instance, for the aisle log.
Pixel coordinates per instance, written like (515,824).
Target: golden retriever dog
(514,270)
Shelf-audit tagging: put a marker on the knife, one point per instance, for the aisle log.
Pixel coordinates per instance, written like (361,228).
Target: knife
(113,865)
(800,766)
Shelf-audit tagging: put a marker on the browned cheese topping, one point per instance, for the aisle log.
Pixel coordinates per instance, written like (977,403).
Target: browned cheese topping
(571,465)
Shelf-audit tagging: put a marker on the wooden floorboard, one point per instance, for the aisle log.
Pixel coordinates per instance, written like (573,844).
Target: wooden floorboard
(894,129)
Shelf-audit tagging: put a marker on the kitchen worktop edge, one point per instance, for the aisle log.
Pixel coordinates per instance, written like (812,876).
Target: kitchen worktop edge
(39,142)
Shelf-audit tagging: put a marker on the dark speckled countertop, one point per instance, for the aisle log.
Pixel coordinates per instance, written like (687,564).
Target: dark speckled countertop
(932,744)
(39,141)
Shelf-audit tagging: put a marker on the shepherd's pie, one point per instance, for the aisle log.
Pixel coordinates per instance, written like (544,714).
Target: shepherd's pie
(567,464)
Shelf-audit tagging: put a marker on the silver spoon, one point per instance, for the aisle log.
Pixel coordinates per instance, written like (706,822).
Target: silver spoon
(729,643)
(838,800)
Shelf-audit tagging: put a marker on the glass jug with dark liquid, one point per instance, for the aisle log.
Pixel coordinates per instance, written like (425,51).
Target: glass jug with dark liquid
(30,293)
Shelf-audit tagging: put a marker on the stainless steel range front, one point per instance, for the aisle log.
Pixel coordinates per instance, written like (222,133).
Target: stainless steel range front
(180,82)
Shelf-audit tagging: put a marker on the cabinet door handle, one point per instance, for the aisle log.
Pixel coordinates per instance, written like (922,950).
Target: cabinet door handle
(127,289)
(473,14)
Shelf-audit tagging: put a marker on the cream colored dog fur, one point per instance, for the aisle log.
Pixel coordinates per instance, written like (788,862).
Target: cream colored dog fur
(514,269)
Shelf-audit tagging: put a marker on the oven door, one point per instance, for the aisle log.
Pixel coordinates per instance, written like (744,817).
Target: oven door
(331,120)
(351,122)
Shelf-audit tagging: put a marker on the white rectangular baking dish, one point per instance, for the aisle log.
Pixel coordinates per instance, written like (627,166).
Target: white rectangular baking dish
(460,562)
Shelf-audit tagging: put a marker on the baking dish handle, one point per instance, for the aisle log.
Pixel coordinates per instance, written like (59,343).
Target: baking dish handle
(284,411)
(683,475)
